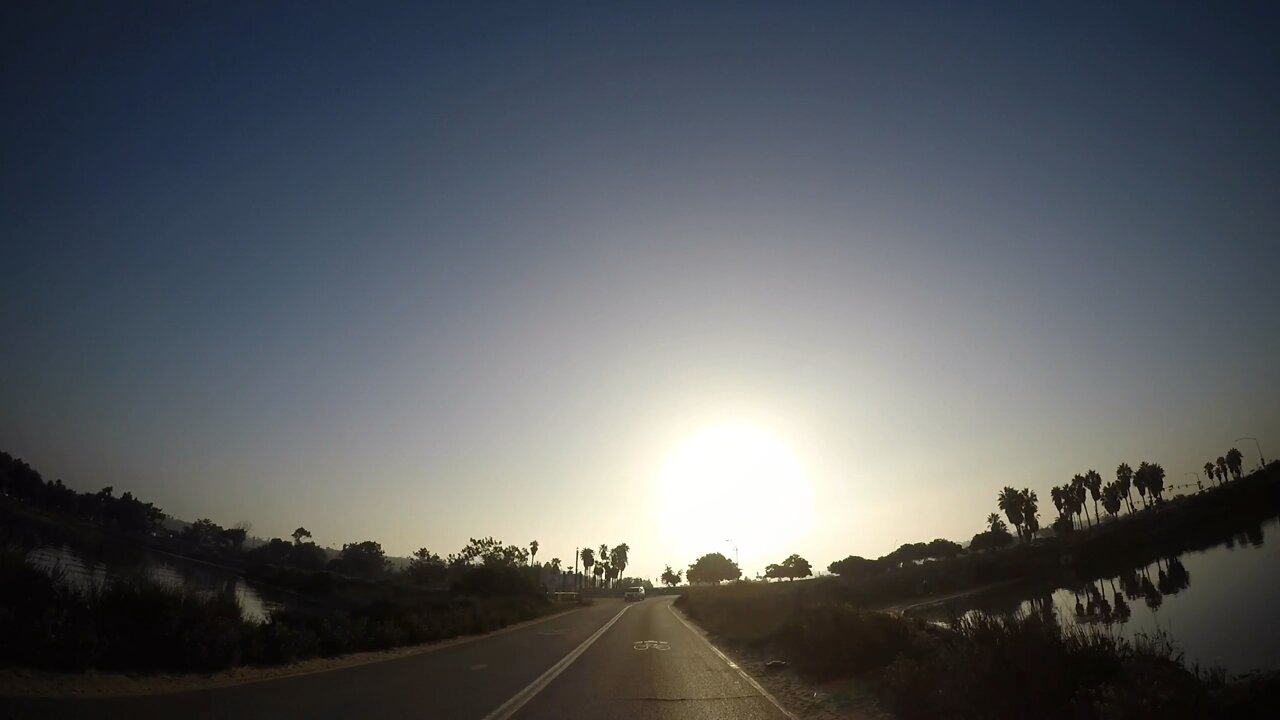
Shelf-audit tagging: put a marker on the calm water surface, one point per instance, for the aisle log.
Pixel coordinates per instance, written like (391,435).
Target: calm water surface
(1220,606)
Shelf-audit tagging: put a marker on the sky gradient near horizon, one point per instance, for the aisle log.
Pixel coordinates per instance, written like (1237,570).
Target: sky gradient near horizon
(418,273)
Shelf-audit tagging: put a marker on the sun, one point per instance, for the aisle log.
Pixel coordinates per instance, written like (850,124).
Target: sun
(734,483)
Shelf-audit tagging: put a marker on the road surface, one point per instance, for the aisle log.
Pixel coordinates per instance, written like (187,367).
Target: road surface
(609,660)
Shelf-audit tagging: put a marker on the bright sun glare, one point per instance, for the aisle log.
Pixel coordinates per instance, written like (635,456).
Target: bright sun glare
(734,482)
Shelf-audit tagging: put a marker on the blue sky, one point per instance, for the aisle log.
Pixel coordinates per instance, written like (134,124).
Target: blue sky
(418,273)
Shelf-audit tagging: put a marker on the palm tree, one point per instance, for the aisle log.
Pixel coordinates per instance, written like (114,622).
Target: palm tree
(1030,512)
(1059,500)
(1235,462)
(1011,504)
(555,572)
(995,523)
(533,552)
(1140,481)
(1111,498)
(1079,487)
(1209,471)
(1094,482)
(588,559)
(619,557)
(603,558)
(1124,476)
(1222,467)
(1155,480)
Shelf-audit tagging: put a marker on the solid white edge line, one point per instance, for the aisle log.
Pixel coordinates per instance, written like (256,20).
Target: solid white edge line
(750,680)
(517,701)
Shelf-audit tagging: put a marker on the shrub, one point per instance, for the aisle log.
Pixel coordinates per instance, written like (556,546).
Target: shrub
(135,624)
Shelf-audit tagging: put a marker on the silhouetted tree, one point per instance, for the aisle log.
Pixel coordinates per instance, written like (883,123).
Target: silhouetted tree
(1093,481)
(588,559)
(1079,487)
(996,524)
(619,557)
(1111,498)
(1058,497)
(233,538)
(1124,476)
(858,567)
(1140,481)
(991,539)
(670,577)
(533,552)
(1210,471)
(204,532)
(362,558)
(1030,512)
(1235,463)
(713,568)
(790,569)
(300,534)
(1155,480)
(1221,462)
(1010,503)
(427,568)
(602,560)
(491,552)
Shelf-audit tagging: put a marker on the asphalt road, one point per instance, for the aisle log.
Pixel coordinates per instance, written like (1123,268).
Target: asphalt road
(606,661)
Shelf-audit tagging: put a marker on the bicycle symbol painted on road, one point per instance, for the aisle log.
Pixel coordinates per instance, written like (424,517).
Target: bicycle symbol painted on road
(651,645)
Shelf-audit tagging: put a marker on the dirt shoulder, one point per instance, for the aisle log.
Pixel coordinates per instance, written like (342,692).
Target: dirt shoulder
(848,699)
(40,683)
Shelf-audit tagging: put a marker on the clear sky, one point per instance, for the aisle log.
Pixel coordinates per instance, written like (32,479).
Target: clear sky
(417,273)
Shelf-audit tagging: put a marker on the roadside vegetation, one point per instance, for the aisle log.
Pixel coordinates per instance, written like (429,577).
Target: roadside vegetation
(336,601)
(979,666)
(1013,665)
(136,624)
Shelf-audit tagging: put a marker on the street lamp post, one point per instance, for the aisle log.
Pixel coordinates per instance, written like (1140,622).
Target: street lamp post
(1257,445)
(736,560)
(1199,484)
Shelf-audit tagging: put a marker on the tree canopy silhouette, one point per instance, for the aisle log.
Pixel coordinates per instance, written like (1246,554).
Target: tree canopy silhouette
(364,558)
(1235,463)
(713,568)
(855,567)
(790,569)
(670,577)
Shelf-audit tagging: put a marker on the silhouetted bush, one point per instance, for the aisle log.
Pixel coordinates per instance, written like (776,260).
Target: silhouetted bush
(1012,667)
(134,624)
(979,666)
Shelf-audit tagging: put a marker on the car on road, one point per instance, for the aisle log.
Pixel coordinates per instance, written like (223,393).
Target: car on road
(633,593)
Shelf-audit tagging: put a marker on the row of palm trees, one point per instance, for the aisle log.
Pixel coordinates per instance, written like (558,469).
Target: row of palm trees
(1226,466)
(1069,499)
(1072,498)
(606,566)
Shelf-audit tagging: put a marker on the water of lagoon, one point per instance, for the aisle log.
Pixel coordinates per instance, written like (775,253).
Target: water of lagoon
(1220,606)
